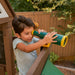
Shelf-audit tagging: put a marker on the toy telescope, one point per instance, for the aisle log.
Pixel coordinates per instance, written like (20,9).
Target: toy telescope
(61,39)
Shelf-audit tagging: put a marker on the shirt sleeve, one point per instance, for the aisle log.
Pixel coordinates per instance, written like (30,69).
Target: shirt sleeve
(15,42)
(35,39)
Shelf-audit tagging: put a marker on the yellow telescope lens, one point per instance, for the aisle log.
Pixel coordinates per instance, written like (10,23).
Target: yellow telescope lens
(32,32)
(64,41)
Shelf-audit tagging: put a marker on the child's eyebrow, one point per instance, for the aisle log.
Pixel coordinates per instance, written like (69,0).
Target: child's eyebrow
(26,32)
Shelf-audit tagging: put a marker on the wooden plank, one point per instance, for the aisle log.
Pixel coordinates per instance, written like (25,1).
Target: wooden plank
(3,20)
(66,70)
(2,71)
(39,63)
(68,58)
(2,53)
(10,8)
(7,36)
(0,28)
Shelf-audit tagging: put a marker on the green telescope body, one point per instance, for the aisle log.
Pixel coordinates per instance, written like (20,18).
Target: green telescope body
(61,39)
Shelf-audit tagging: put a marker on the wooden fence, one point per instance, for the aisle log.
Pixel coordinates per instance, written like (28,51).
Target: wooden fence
(45,22)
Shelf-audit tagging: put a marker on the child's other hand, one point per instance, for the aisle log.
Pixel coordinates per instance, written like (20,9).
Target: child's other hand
(49,37)
(41,30)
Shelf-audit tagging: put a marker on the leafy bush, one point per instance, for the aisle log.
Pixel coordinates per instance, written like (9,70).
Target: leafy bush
(21,5)
(65,10)
(53,57)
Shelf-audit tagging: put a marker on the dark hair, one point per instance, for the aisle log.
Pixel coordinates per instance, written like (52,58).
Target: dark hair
(21,22)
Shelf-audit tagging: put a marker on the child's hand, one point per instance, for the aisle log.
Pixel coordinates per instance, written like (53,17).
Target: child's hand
(41,30)
(49,37)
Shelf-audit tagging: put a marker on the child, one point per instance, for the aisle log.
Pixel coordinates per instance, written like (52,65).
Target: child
(25,44)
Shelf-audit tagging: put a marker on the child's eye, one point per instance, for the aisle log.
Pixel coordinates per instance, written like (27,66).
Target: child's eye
(26,33)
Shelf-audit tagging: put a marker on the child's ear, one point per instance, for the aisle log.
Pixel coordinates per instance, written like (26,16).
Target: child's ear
(18,35)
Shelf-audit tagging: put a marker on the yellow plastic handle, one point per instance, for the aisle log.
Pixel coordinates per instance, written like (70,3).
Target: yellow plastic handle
(47,45)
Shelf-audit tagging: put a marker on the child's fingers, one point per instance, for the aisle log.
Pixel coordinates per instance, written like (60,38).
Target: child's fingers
(41,30)
(53,33)
(48,35)
(54,37)
(54,41)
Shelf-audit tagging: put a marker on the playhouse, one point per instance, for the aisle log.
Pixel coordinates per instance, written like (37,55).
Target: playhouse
(6,51)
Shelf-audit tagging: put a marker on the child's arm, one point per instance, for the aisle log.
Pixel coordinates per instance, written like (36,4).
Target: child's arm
(31,47)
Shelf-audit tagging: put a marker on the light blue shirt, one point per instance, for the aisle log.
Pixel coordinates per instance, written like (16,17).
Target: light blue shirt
(24,60)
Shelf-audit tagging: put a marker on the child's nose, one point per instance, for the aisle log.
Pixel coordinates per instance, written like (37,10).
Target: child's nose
(30,35)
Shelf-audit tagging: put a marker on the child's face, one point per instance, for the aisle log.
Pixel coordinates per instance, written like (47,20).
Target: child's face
(26,35)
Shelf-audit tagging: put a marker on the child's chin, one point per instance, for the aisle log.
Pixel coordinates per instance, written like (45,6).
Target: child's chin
(29,40)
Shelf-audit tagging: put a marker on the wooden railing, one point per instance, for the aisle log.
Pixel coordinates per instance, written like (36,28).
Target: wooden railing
(39,63)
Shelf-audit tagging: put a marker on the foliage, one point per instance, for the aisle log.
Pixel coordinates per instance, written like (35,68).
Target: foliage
(53,57)
(21,5)
(64,8)
(74,62)
(5,73)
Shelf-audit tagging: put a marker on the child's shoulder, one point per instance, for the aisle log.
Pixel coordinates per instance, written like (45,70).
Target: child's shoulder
(17,39)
